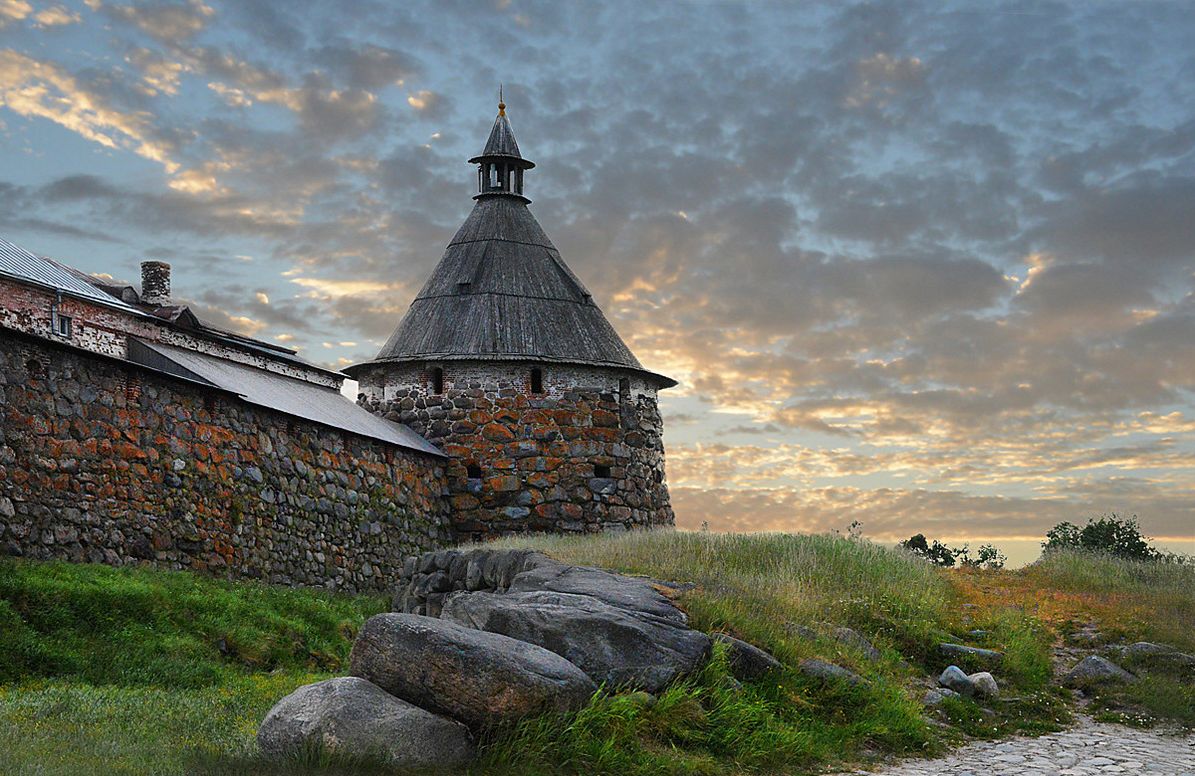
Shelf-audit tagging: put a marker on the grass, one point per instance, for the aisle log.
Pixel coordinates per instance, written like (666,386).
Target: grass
(136,671)
(102,625)
(1126,601)
(149,672)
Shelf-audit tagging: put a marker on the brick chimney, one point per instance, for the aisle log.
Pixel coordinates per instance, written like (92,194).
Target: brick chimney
(155,283)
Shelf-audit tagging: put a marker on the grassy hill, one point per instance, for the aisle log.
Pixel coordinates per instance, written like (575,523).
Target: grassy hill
(138,671)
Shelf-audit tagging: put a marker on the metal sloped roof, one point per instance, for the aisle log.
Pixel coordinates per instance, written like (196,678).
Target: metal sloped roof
(20,264)
(281,393)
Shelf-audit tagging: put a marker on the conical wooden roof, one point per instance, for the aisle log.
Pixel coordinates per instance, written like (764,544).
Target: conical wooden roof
(501,141)
(502,292)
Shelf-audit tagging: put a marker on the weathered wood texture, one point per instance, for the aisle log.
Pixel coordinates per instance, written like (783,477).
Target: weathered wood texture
(502,291)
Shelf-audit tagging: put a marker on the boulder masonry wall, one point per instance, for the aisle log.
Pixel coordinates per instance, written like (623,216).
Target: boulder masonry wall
(104,462)
(584,454)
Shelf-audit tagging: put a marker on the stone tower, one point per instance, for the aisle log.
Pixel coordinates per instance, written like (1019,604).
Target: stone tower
(505,363)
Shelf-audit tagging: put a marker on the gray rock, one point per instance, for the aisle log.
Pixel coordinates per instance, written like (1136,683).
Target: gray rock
(985,658)
(747,661)
(635,595)
(612,645)
(351,717)
(476,677)
(853,638)
(935,696)
(1095,670)
(801,631)
(1149,655)
(956,679)
(828,672)
(984,684)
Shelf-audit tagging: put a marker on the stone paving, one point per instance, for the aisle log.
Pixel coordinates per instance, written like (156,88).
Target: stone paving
(1088,749)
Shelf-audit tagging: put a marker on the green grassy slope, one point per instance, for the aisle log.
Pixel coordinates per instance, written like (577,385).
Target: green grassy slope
(149,672)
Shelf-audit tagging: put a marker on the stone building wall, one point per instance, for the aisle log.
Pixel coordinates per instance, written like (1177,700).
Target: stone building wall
(106,330)
(584,455)
(102,461)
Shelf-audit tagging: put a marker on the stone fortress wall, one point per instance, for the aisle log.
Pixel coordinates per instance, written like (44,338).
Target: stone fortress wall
(584,454)
(103,461)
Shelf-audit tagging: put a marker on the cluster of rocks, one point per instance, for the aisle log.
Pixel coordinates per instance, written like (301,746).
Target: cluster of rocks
(512,634)
(954,682)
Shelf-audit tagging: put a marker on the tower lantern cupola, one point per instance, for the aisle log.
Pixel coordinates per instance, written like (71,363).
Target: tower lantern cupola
(500,166)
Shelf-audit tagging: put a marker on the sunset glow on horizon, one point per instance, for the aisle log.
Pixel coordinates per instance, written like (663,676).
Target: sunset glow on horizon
(929,270)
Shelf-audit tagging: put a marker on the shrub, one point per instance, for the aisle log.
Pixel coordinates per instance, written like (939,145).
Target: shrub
(937,553)
(1109,534)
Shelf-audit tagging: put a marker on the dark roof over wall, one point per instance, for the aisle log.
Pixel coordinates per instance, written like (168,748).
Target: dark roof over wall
(502,292)
(277,392)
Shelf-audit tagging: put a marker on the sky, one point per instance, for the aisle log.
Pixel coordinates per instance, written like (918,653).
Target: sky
(926,266)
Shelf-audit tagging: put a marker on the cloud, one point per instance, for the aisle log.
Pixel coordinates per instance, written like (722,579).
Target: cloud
(39,89)
(908,266)
(13,11)
(168,22)
(55,16)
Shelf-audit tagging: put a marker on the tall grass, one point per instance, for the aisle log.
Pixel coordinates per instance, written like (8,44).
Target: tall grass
(759,586)
(1129,599)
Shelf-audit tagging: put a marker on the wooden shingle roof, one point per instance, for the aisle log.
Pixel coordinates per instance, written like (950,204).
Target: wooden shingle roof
(502,292)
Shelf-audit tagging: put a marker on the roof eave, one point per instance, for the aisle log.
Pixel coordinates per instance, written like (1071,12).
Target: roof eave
(663,381)
(526,164)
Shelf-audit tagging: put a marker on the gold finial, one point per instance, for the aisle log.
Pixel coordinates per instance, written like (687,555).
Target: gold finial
(501,104)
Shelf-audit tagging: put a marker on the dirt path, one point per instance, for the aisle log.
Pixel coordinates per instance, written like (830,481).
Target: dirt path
(1088,749)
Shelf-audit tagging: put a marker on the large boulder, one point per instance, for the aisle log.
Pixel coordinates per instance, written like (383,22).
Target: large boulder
(1094,670)
(613,645)
(747,661)
(354,718)
(479,678)
(635,595)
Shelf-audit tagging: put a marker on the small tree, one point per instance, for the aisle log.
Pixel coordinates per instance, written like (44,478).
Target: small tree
(937,553)
(986,557)
(1108,533)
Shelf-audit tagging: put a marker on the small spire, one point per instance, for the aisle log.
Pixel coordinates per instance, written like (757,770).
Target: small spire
(501,104)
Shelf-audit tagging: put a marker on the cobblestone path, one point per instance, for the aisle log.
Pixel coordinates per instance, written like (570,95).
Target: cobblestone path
(1088,749)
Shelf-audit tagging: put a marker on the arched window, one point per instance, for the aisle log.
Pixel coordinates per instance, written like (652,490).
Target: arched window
(437,380)
(537,380)
(35,368)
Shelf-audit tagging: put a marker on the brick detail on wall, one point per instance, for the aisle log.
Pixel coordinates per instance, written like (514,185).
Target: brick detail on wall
(104,462)
(585,455)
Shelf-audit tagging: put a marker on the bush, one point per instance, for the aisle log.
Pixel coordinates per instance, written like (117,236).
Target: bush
(1109,534)
(986,557)
(937,553)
